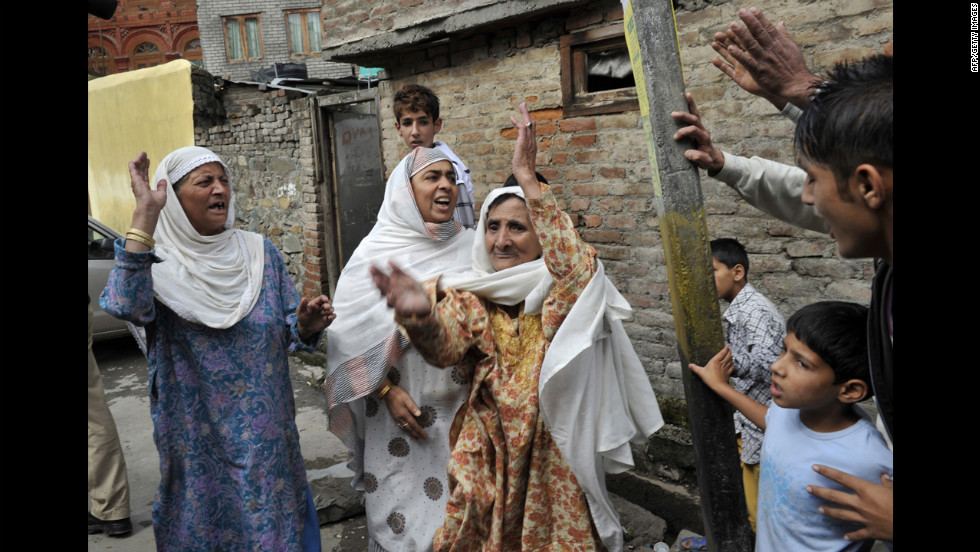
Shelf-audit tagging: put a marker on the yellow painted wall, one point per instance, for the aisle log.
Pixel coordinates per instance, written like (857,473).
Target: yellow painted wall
(149,110)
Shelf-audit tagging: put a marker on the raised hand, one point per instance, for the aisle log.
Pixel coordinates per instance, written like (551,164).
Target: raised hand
(139,175)
(149,202)
(769,54)
(525,154)
(737,72)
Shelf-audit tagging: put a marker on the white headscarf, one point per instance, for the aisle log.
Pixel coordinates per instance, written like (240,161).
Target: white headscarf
(528,282)
(211,280)
(364,341)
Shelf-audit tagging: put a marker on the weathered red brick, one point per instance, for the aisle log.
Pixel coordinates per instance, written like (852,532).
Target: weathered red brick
(601,236)
(612,172)
(620,221)
(578,173)
(578,124)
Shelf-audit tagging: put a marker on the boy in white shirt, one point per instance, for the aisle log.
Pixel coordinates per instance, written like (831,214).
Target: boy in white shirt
(417,122)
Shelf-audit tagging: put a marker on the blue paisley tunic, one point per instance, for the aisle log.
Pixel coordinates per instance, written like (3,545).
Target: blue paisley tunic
(232,477)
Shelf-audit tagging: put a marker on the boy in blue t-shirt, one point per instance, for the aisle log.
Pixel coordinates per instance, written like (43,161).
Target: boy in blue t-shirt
(814,419)
(417,122)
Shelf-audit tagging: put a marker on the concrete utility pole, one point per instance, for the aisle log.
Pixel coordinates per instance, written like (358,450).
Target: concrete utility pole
(651,35)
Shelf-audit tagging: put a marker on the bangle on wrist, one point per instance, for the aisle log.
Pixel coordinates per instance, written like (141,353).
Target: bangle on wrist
(137,238)
(383,392)
(140,233)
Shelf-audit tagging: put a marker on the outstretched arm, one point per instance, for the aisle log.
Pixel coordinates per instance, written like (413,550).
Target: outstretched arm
(703,154)
(402,292)
(871,504)
(769,55)
(715,375)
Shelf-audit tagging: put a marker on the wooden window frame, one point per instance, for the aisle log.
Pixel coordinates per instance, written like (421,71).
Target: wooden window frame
(145,60)
(99,64)
(307,50)
(243,35)
(576,98)
(196,55)
(155,50)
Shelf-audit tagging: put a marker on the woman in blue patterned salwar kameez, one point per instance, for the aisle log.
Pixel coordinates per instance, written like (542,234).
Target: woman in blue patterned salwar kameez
(220,313)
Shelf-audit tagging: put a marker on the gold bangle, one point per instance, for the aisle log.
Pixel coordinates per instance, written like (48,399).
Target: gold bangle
(140,233)
(149,243)
(381,395)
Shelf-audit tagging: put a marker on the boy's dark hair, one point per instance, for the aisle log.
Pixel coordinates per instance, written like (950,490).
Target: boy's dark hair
(729,252)
(849,120)
(837,332)
(415,97)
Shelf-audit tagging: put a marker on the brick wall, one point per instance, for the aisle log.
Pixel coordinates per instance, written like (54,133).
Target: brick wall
(598,164)
(266,140)
(275,40)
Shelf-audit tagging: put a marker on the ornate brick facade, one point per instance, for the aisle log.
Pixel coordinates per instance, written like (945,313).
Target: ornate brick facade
(143,33)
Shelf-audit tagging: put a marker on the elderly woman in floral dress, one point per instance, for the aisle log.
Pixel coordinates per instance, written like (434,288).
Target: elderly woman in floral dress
(557,392)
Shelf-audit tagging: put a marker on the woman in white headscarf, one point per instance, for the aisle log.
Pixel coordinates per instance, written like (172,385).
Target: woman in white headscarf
(557,392)
(389,406)
(219,312)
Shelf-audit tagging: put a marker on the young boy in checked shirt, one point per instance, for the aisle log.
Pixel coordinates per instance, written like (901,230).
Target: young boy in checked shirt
(754,331)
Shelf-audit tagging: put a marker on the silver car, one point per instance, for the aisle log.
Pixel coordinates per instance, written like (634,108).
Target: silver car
(100,259)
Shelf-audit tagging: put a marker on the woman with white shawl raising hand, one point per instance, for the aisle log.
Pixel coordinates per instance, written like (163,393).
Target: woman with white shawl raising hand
(390,407)
(557,392)
(220,313)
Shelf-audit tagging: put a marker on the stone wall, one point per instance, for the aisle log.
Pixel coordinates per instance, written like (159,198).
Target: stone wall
(275,40)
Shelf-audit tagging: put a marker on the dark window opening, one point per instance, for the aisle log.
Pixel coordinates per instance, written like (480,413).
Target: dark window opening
(609,70)
(596,73)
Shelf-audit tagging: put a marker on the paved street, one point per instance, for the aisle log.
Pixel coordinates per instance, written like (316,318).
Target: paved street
(124,375)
